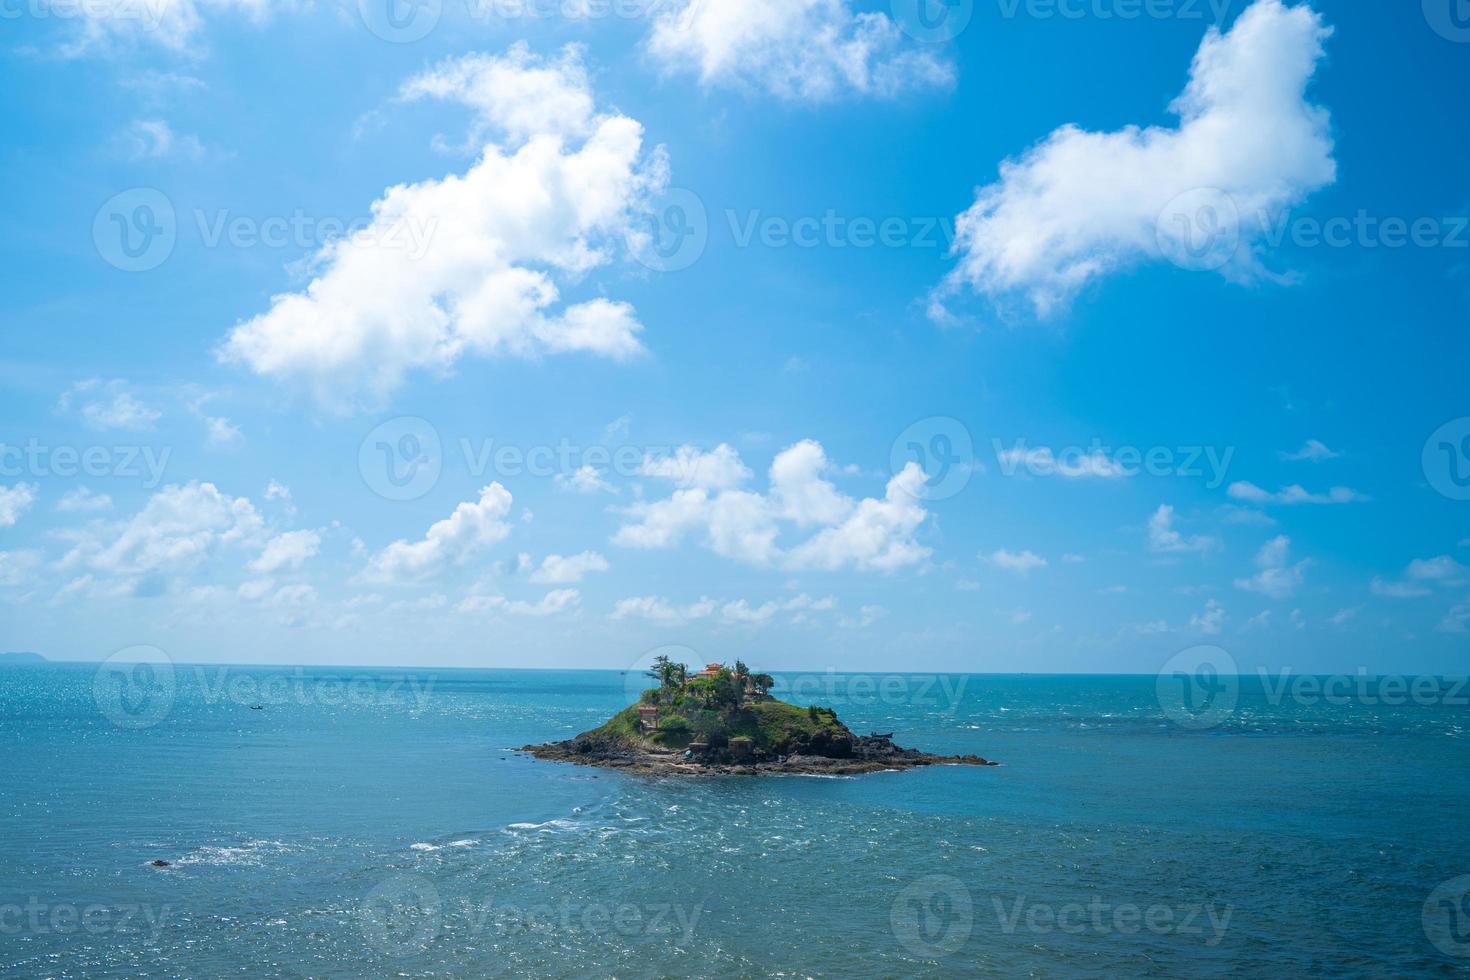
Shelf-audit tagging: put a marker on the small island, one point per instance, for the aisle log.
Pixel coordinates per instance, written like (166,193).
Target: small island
(723,720)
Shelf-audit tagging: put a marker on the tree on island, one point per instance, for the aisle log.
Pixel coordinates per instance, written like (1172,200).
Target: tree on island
(668,674)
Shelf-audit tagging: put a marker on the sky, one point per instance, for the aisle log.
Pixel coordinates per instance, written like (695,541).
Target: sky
(965,335)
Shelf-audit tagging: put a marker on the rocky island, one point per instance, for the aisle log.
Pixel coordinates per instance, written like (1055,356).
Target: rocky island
(724,721)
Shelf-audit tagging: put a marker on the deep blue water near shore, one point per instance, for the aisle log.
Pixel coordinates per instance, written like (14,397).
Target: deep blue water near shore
(381,828)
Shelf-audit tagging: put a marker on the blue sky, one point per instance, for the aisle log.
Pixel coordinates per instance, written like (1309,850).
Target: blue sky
(1174,311)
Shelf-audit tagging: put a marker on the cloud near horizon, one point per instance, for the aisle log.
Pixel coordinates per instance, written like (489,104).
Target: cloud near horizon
(708,502)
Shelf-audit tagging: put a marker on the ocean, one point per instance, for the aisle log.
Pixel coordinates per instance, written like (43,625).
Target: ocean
(369,823)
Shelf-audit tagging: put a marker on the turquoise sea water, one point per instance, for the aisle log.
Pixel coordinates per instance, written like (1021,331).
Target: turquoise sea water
(374,824)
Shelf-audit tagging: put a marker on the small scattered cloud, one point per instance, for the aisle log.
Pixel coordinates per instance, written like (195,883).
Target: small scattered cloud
(1210,621)
(553,603)
(1294,494)
(1421,577)
(108,405)
(155,139)
(1313,451)
(556,570)
(1277,577)
(289,550)
(15,501)
(1163,539)
(1022,563)
(799,50)
(221,433)
(84,501)
(585,479)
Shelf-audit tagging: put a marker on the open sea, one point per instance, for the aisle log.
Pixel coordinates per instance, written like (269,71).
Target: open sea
(344,823)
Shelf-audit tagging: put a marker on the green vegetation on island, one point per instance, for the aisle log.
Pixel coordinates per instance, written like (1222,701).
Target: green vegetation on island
(723,719)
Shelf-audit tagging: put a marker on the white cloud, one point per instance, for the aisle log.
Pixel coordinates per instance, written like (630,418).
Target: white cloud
(1312,451)
(16,500)
(744,525)
(83,501)
(1210,621)
(1343,616)
(172,24)
(878,535)
(556,570)
(1277,578)
(467,532)
(1022,563)
(1398,590)
(867,616)
(1164,539)
(1457,620)
(155,139)
(289,550)
(471,264)
(662,610)
(720,469)
(798,490)
(557,601)
(255,589)
(222,434)
(1443,570)
(587,479)
(1260,621)
(737,611)
(178,529)
(106,405)
(1420,575)
(17,567)
(1082,205)
(741,611)
(276,490)
(800,50)
(1294,494)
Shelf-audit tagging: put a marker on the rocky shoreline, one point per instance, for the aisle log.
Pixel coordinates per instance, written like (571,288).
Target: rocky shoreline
(844,757)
